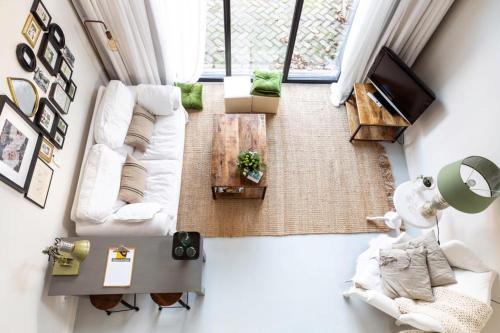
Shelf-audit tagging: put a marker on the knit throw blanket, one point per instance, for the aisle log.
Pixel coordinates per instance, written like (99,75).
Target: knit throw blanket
(457,313)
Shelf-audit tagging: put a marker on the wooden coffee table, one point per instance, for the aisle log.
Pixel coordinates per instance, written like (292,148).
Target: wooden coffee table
(234,133)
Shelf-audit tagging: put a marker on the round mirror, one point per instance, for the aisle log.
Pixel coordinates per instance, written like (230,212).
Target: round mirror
(24,94)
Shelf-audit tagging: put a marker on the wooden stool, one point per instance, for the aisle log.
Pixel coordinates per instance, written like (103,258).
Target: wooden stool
(107,302)
(166,300)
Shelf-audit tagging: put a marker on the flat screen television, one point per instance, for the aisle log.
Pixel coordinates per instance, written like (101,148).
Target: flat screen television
(399,89)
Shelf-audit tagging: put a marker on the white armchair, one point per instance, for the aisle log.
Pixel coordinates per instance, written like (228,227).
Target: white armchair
(474,279)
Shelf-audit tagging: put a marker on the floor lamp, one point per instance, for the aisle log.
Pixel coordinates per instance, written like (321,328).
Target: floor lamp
(112,44)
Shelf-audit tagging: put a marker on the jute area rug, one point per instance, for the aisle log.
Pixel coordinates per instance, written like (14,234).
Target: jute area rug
(318,182)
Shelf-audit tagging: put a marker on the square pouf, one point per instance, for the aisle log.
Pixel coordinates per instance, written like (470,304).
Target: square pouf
(237,98)
(191,95)
(265,104)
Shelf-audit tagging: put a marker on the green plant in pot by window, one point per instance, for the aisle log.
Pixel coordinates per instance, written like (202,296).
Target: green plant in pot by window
(249,161)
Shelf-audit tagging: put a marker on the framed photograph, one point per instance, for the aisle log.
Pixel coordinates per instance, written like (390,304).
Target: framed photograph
(46,118)
(59,98)
(62,126)
(65,70)
(58,140)
(39,185)
(68,55)
(26,57)
(57,35)
(20,142)
(61,81)
(41,14)
(31,30)
(46,150)
(49,54)
(71,90)
(42,80)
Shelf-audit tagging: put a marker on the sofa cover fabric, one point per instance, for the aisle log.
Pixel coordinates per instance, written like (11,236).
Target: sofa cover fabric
(159,100)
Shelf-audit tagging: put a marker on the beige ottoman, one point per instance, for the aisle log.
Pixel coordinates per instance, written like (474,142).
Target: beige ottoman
(237,98)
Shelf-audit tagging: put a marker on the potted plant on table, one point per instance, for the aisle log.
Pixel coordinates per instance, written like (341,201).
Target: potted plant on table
(250,165)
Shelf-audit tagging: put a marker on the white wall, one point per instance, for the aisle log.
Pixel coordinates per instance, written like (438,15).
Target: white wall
(462,65)
(25,229)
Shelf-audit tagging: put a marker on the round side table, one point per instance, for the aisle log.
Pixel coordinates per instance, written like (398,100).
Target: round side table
(408,201)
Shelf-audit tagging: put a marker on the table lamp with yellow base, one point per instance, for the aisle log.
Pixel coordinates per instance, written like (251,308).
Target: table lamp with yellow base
(67,256)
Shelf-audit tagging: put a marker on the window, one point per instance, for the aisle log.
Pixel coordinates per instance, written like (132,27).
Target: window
(301,38)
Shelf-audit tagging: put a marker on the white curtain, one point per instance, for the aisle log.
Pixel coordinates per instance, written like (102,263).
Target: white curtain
(405,26)
(159,41)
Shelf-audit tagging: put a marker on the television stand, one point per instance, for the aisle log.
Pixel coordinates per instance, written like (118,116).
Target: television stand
(368,122)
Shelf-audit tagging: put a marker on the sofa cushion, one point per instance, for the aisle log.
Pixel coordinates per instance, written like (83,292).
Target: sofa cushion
(140,129)
(137,212)
(133,181)
(159,100)
(113,115)
(99,184)
(405,274)
(440,271)
(191,95)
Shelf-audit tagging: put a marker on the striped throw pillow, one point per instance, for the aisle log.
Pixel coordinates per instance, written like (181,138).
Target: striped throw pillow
(133,181)
(140,129)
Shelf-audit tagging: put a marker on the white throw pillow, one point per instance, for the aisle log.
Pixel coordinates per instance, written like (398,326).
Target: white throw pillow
(113,115)
(137,212)
(100,184)
(159,100)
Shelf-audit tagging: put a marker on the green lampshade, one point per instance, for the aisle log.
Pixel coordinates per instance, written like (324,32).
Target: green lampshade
(469,185)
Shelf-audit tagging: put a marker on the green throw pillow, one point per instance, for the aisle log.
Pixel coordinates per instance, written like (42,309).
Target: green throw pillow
(191,95)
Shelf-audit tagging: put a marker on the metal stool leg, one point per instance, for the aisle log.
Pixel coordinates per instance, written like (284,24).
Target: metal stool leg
(131,307)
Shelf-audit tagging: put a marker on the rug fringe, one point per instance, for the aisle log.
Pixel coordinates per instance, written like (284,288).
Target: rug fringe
(385,167)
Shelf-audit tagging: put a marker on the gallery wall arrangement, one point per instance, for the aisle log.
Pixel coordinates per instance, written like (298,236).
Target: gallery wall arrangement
(32,124)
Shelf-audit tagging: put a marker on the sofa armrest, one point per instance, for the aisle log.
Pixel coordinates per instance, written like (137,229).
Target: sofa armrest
(376,299)
(461,256)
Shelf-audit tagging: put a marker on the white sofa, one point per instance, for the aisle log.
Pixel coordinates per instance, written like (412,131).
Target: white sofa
(474,279)
(163,161)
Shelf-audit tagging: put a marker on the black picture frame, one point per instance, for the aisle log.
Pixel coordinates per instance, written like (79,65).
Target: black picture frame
(56,93)
(39,160)
(5,100)
(57,34)
(71,90)
(63,129)
(44,22)
(63,67)
(48,44)
(43,107)
(59,140)
(26,57)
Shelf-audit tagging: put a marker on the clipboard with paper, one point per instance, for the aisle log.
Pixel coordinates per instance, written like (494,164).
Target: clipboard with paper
(119,267)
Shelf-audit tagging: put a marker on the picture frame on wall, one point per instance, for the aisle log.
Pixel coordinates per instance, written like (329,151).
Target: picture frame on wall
(61,81)
(19,146)
(57,34)
(68,55)
(46,118)
(49,55)
(65,70)
(62,126)
(41,79)
(26,57)
(41,14)
(39,185)
(31,30)
(59,98)
(59,140)
(71,90)
(46,150)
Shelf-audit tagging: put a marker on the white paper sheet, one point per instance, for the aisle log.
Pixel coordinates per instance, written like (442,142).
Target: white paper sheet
(119,269)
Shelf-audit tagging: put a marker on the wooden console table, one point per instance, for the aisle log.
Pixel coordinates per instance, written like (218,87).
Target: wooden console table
(234,133)
(368,122)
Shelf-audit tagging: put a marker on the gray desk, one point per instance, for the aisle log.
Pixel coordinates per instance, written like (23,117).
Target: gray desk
(154,269)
